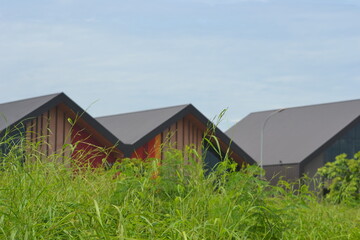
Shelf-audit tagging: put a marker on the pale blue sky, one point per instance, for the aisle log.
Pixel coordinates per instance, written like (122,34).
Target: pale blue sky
(244,55)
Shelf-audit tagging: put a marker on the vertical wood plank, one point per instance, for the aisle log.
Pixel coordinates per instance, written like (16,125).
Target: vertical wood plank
(186,132)
(39,138)
(172,135)
(158,146)
(59,131)
(28,137)
(180,135)
(67,138)
(52,131)
(200,134)
(165,142)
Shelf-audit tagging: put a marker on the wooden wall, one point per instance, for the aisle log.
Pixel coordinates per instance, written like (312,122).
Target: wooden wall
(151,149)
(88,150)
(50,131)
(187,131)
(53,133)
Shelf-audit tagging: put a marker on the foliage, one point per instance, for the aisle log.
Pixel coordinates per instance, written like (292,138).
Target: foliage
(170,199)
(342,178)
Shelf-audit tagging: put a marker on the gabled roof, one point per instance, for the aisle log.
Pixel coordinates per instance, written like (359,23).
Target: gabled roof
(13,113)
(294,134)
(132,127)
(137,128)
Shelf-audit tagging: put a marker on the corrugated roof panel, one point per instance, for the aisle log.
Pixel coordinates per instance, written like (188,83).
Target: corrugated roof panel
(292,135)
(12,112)
(131,127)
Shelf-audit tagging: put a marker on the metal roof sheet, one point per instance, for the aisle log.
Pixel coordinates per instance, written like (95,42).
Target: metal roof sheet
(12,112)
(131,127)
(15,112)
(292,135)
(136,128)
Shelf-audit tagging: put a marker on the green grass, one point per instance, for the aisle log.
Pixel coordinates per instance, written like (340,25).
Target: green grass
(45,199)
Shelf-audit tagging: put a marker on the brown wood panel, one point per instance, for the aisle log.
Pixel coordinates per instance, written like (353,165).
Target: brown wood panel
(186,138)
(67,138)
(79,121)
(38,133)
(52,129)
(29,131)
(158,146)
(165,142)
(199,134)
(46,123)
(59,130)
(29,135)
(172,135)
(180,135)
(190,133)
(186,132)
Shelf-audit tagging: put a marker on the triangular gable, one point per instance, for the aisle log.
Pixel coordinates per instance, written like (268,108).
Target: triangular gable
(136,129)
(13,113)
(132,128)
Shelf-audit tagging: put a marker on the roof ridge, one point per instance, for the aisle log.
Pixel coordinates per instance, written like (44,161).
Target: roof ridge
(30,98)
(306,106)
(148,110)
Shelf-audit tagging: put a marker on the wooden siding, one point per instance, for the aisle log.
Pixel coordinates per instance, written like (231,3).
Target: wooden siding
(88,150)
(152,149)
(50,131)
(53,133)
(186,133)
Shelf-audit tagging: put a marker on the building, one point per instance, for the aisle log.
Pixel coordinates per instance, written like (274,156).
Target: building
(57,124)
(149,133)
(62,129)
(299,140)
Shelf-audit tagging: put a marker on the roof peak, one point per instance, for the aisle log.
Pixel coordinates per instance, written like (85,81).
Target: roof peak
(30,98)
(147,110)
(306,106)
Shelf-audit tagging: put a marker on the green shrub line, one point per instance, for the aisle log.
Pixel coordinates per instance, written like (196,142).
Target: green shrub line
(43,197)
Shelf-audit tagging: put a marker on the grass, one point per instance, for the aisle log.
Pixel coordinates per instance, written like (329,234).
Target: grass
(136,199)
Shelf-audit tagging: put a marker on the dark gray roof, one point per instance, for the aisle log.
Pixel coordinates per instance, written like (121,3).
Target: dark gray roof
(12,112)
(136,128)
(131,127)
(294,134)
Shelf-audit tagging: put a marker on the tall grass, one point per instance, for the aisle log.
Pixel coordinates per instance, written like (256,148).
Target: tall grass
(158,200)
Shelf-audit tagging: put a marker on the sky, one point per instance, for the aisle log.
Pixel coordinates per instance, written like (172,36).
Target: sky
(116,56)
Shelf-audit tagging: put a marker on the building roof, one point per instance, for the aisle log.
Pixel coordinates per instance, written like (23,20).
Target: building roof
(13,113)
(132,127)
(294,135)
(137,128)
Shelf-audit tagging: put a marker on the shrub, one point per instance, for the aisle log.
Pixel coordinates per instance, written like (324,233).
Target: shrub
(342,179)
